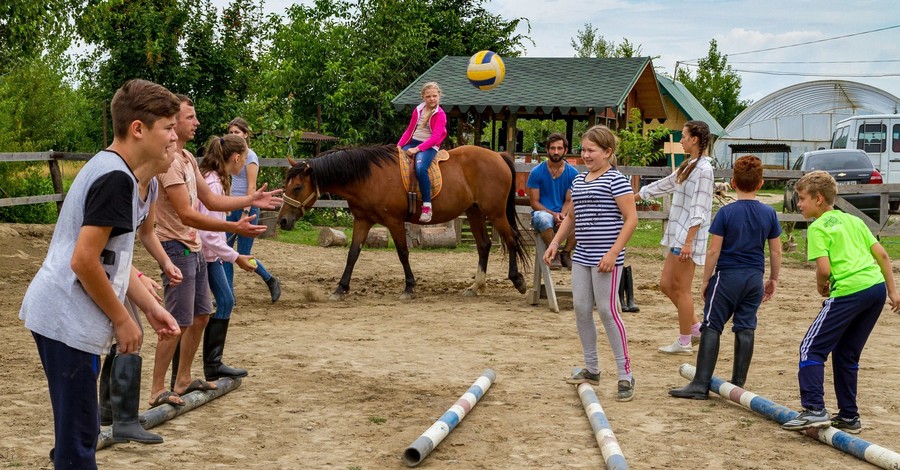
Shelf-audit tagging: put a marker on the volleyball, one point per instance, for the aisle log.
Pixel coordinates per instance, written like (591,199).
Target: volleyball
(486,70)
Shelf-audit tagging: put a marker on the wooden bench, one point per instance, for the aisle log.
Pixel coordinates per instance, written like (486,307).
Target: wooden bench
(543,286)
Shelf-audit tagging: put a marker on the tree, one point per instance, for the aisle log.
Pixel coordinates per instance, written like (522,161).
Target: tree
(590,43)
(28,28)
(716,86)
(636,147)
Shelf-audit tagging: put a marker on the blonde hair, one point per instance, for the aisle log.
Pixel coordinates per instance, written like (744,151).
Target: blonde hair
(434,85)
(818,182)
(603,137)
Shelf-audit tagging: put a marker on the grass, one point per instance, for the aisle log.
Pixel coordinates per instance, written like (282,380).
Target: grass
(377,419)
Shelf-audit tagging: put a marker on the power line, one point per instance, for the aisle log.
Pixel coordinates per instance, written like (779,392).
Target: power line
(811,74)
(804,43)
(816,41)
(810,62)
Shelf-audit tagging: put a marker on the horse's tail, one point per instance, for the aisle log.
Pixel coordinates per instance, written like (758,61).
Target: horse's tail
(518,247)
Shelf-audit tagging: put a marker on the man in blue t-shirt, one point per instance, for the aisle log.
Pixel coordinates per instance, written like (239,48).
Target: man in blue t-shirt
(549,183)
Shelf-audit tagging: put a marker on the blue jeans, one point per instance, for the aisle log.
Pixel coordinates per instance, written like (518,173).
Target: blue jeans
(221,289)
(244,246)
(72,380)
(542,220)
(423,161)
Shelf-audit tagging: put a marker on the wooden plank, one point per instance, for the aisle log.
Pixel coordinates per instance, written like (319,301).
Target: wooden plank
(19,201)
(25,156)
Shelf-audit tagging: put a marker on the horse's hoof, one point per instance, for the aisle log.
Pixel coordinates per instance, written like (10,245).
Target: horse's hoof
(407,296)
(520,284)
(469,292)
(336,296)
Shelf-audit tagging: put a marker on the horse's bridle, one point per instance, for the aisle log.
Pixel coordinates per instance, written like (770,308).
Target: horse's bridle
(301,205)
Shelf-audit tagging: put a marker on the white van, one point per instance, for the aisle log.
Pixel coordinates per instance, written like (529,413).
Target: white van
(879,136)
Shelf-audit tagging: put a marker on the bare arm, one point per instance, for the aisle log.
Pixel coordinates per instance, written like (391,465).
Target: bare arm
(160,319)
(884,262)
(823,276)
(86,265)
(566,229)
(147,235)
(252,173)
(774,268)
(629,215)
(181,201)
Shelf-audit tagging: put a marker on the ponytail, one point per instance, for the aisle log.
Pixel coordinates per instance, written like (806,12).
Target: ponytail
(215,158)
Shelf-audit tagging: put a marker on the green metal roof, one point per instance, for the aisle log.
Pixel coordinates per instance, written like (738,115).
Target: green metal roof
(688,104)
(567,84)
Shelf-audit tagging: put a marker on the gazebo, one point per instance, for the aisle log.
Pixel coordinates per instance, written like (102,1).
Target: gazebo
(596,90)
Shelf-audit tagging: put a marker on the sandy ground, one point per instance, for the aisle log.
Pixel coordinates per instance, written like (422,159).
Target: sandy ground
(350,385)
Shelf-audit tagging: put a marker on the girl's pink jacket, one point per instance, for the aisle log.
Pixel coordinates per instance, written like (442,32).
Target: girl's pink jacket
(438,123)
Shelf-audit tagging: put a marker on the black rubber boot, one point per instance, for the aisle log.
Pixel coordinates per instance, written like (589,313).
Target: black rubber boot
(106,417)
(622,295)
(743,352)
(125,397)
(698,389)
(628,282)
(213,348)
(175,360)
(274,286)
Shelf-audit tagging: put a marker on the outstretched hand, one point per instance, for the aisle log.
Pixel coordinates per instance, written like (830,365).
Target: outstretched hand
(246,228)
(267,199)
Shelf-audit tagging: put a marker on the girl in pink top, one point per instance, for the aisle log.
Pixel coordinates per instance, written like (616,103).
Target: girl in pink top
(224,157)
(423,137)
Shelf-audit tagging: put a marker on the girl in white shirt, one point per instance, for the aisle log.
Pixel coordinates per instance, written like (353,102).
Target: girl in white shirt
(686,233)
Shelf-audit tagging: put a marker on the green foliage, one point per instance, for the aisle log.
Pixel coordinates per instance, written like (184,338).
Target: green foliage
(26,179)
(588,42)
(716,85)
(30,28)
(637,147)
(40,111)
(352,58)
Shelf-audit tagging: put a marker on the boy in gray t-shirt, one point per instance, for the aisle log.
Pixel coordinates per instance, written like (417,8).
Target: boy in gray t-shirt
(74,305)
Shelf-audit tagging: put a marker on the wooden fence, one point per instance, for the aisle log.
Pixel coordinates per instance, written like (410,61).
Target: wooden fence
(879,229)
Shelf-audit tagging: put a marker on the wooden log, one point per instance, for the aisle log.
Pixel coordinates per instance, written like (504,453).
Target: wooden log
(439,237)
(377,238)
(331,237)
(413,235)
(270,220)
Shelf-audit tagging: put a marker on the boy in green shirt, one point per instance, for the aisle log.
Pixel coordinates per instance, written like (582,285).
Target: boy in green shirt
(855,286)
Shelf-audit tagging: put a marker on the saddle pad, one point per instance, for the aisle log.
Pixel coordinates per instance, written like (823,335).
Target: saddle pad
(434,172)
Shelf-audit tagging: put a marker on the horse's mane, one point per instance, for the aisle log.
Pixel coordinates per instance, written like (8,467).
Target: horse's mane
(346,165)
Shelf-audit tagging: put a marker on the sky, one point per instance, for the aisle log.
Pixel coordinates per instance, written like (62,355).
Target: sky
(680,33)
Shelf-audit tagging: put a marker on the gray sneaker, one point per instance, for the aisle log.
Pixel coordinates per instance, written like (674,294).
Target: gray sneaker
(626,390)
(584,376)
(849,425)
(808,419)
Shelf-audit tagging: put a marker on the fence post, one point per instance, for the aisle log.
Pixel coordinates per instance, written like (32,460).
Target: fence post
(56,178)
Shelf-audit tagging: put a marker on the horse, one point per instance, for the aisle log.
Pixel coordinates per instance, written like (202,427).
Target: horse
(476,181)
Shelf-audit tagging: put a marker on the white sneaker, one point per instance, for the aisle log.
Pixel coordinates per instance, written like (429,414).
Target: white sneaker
(677,348)
(426,214)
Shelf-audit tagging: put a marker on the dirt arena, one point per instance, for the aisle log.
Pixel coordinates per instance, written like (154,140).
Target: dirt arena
(349,385)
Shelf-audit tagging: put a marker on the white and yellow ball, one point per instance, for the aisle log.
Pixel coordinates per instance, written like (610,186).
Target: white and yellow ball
(486,70)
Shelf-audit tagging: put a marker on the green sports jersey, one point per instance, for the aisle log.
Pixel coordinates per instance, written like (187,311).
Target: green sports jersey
(847,243)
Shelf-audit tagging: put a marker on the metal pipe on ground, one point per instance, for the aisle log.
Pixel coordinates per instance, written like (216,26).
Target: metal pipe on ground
(160,414)
(421,447)
(609,445)
(859,448)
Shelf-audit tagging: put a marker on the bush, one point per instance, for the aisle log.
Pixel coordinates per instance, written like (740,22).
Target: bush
(29,180)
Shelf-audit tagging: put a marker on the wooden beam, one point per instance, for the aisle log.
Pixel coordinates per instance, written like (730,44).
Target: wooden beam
(511,133)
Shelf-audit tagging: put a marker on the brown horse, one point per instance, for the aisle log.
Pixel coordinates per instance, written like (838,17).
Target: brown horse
(476,181)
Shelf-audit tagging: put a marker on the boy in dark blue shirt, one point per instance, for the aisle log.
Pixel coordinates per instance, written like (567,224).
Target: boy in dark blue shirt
(733,277)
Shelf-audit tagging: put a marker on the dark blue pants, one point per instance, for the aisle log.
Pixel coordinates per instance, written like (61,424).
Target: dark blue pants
(244,246)
(72,379)
(732,293)
(222,292)
(841,329)
(423,161)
